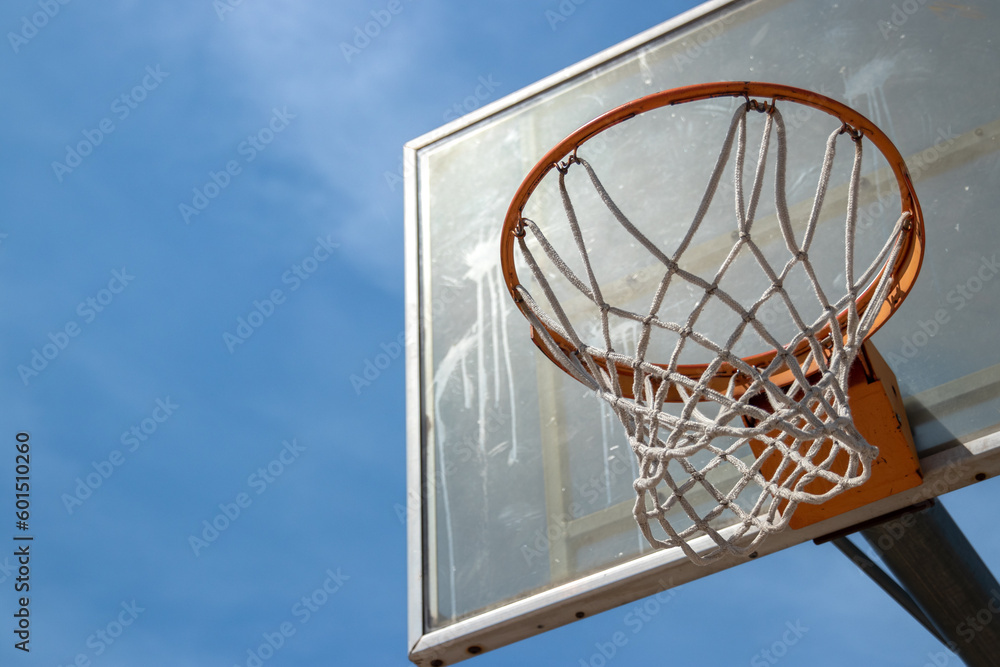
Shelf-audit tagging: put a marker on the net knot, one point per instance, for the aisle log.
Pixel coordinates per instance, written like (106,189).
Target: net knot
(801,255)
(646,321)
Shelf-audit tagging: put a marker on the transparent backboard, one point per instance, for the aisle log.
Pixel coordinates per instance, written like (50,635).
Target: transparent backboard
(520,481)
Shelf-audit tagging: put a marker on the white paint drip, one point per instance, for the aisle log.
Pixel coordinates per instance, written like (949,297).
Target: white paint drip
(466,383)
(483,264)
(869,81)
(452,359)
(494,307)
(512,457)
(481,397)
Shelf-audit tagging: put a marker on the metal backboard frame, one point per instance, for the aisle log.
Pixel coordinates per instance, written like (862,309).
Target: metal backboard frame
(950,380)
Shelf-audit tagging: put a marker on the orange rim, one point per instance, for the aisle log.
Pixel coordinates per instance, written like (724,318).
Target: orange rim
(903,272)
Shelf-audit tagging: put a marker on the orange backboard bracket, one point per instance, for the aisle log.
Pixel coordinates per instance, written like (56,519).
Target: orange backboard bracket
(877,408)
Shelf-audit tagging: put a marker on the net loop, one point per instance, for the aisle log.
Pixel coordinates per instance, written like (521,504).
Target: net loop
(854,133)
(518,230)
(755,105)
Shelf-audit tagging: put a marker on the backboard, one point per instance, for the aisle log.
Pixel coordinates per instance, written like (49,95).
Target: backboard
(519,482)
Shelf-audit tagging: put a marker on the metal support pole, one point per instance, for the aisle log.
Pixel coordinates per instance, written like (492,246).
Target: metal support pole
(887,584)
(933,561)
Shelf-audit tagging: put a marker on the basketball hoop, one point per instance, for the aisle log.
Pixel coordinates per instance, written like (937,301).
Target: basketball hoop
(775,424)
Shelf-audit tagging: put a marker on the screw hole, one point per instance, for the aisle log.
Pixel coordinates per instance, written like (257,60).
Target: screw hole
(580,614)
(980,476)
(753,555)
(437,663)
(475,649)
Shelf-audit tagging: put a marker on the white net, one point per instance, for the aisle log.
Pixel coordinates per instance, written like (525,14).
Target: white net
(730,462)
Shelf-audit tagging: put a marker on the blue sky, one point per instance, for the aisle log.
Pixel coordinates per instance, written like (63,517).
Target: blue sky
(200,246)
